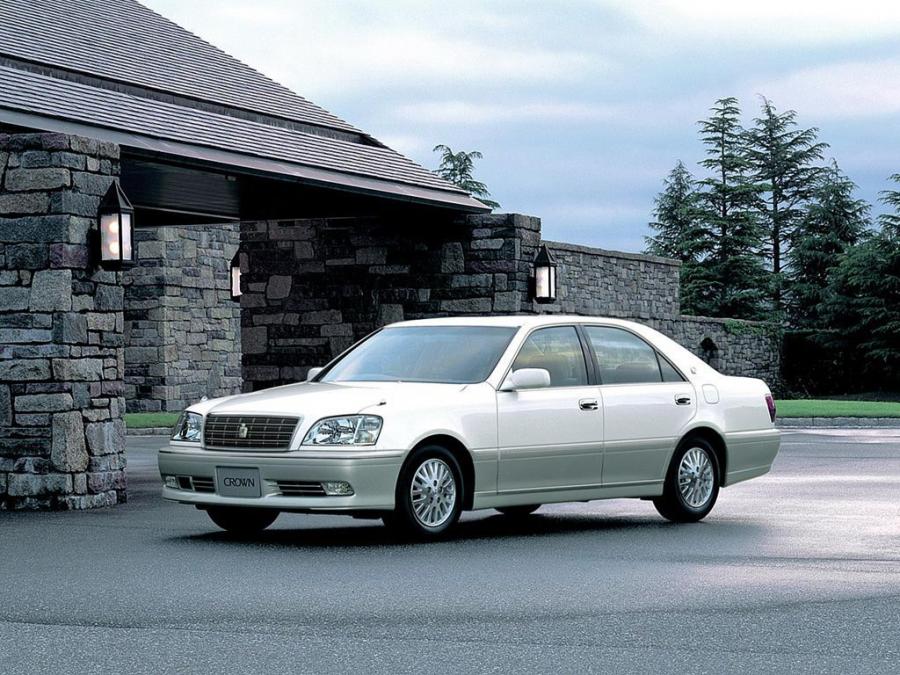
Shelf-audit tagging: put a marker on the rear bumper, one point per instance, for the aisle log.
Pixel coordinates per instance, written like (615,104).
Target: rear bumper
(372,474)
(750,453)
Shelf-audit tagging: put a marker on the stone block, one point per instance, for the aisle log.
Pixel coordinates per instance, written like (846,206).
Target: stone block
(17,370)
(109,298)
(70,328)
(14,298)
(15,204)
(74,203)
(151,249)
(105,438)
(84,370)
(5,406)
(452,258)
(76,256)
(467,305)
(376,255)
(279,287)
(389,313)
(507,301)
(51,291)
(30,485)
(68,451)
(91,183)
(254,339)
(43,402)
(34,159)
(23,180)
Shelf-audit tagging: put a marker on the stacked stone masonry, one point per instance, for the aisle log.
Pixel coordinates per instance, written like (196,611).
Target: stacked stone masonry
(182,329)
(61,328)
(314,287)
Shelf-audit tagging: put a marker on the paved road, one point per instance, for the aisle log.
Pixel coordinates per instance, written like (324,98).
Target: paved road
(799,571)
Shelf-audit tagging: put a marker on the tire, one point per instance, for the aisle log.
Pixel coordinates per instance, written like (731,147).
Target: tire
(692,483)
(518,511)
(238,520)
(429,494)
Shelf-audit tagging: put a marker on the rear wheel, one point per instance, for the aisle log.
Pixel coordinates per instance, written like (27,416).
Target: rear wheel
(692,484)
(429,494)
(238,520)
(518,511)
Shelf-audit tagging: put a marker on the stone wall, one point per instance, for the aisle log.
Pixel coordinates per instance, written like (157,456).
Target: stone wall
(182,329)
(61,328)
(597,282)
(313,287)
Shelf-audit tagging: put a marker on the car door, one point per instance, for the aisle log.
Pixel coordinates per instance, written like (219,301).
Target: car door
(551,438)
(647,405)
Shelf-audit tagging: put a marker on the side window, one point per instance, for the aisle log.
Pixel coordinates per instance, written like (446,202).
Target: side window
(623,358)
(669,374)
(558,351)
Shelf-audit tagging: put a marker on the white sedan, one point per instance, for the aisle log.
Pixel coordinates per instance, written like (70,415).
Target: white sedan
(422,420)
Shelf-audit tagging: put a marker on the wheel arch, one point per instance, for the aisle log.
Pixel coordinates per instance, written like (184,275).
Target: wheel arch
(717,441)
(463,457)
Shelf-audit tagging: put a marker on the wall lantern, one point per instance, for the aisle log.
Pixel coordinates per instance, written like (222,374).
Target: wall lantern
(236,277)
(544,276)
(116,216)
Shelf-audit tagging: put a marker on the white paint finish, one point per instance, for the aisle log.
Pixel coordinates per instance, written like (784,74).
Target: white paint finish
(710,394)
(529,446)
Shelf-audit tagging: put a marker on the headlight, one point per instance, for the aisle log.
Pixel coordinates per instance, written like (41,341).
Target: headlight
(344,430)
(188,427)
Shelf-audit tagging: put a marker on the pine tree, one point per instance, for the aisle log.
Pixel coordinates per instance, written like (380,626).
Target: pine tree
(783,161)
(864,304)
(832,223)
(459,169)
(729,198)
(680,234)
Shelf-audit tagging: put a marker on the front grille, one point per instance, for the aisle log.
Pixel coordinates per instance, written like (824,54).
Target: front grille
(203,484)
(249,432)
(300,488)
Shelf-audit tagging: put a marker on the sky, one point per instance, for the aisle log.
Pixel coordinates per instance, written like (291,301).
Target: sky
(580,107)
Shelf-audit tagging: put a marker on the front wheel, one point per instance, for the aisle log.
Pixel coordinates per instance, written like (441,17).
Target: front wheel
(429,494)
(239,520)
(692,485)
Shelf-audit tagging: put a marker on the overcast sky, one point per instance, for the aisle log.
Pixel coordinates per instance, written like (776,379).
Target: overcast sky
(579,107)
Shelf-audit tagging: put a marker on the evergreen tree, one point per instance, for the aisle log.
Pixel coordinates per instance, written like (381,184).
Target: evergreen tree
(783,161)
(729,198)
(865,296)
(459,169)
(680,234)
(832,223)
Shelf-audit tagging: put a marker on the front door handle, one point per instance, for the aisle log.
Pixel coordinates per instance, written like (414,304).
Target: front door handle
(682,399)
(588,404)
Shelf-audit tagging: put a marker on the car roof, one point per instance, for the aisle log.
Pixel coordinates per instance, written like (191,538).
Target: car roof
(515,321)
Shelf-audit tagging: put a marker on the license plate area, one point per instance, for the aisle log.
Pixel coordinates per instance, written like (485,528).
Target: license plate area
(237,482)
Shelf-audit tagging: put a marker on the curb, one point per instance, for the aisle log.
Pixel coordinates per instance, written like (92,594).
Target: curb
(838,422)
(149,431)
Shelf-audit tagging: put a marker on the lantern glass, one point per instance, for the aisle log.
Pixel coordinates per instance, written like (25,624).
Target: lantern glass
(545,282)
(110,237)
(235,279)
(125,222)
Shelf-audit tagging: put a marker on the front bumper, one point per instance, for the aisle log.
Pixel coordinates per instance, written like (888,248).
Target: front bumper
(371,473)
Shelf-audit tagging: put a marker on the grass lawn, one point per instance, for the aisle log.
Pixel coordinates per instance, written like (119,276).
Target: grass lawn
(148,420)
(828,408)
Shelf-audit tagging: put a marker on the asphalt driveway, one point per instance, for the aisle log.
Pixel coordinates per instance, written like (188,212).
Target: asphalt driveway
(798,570)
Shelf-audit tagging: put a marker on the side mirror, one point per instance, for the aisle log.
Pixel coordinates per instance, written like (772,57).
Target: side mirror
(312,373)
(526,378)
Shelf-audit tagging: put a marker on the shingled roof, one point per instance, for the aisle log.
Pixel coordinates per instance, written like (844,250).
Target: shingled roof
(116,70)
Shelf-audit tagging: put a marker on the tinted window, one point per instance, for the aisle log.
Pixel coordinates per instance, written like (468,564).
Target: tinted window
(669,374)
(451,354)
(558,351)
(622,357)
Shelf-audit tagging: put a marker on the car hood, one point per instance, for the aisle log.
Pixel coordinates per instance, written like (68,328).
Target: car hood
(319,399)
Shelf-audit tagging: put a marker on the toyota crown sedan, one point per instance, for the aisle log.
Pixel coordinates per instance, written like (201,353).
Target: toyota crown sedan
(422,420)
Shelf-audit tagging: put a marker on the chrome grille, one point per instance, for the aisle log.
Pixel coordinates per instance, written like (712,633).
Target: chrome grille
(299,488)
(253,432)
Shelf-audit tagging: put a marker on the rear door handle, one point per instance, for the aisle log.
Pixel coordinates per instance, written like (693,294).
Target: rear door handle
(682,399)
(588,404)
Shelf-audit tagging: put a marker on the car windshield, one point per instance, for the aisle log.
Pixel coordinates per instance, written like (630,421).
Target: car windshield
(448,354)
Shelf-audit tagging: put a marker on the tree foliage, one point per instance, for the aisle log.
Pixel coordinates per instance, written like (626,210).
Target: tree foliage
(459,169)
(784,162)
(728,201)
(833,222)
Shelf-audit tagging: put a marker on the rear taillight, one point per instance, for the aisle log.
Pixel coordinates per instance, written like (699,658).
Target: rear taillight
(770,404)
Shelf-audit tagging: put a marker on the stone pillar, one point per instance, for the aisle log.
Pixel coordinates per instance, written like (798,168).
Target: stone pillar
(62,442)
(182,329)
(313,287)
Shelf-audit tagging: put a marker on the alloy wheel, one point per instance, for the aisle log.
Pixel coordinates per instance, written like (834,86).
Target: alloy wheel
(695,478)
(433,492)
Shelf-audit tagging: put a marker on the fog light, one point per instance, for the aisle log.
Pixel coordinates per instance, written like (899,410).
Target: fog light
(171,482)
(337,488)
